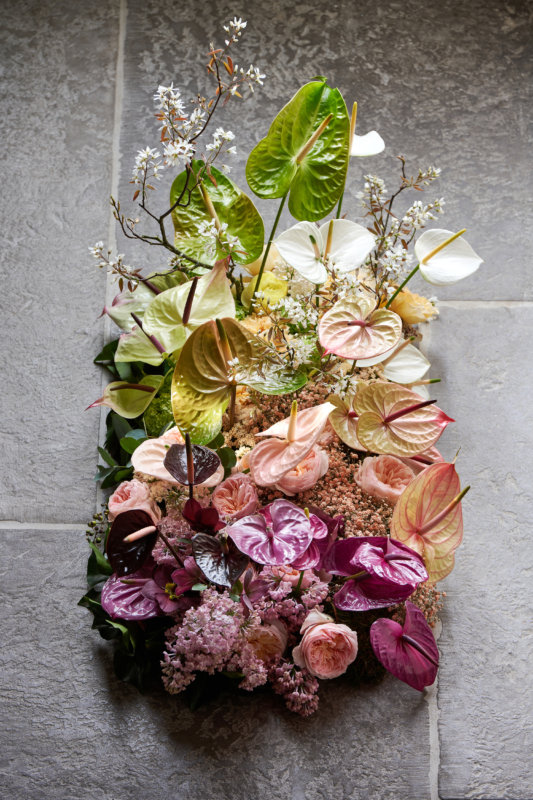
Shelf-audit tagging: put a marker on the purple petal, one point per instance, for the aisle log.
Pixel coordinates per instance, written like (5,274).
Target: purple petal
(365,593)
(377,555)
(287,538)
(126,601)
(409,652)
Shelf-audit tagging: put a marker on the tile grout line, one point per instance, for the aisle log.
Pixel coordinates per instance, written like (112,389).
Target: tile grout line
(431,696)
(12,524)
(115,174)
(485,303)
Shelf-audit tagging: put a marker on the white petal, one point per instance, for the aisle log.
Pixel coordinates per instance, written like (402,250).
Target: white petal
(368,145)
(407,366)
(453,263)
(422,390)
(296,248)
(350,243)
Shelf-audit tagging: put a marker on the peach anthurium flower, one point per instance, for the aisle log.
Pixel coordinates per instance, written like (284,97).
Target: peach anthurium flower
(149,458)
(356,329)
(291,441)
(340,243)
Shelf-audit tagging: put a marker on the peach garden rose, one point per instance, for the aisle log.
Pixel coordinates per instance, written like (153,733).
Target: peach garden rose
(305,474)
(235,497)
(133,495)
(384,477)
(327,648)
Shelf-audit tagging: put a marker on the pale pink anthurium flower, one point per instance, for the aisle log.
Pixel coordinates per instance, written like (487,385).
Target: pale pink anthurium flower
(291,440)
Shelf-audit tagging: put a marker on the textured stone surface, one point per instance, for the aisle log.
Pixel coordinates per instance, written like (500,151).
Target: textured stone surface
(76,734)
(485,687)
(449,84)
(56,126)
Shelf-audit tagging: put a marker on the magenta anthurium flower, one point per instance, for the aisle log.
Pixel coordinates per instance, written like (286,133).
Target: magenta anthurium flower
(122,597)
(380,571)
(279,534)
(313,555)
(408,651)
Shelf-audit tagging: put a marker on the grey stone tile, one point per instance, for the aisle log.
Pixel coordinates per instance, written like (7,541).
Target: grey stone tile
(485,687)
(446,83)
(71,732)
(56,128)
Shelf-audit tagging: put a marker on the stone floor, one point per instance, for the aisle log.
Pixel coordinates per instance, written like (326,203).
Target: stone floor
(445,82)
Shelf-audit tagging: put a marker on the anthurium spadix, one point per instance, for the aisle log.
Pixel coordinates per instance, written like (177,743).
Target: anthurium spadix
(428,517)
(289,443)
(369,144)
(444,257)
(355,329)
(305,153)
(174,314)
(394,420)
(339,244)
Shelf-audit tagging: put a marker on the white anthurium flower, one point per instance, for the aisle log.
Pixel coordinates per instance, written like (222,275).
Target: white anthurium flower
(368,145)
(406,364)
(422,390)
(445,257)
(340,244)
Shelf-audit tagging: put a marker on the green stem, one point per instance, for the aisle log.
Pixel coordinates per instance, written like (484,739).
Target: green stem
(400,287)
(340,205)
(269,244)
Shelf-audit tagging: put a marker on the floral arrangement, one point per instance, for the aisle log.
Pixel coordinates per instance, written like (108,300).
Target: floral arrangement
(280,514)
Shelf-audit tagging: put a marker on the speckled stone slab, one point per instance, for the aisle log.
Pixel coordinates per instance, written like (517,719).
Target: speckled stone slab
(485,687)
(56,126)
(72,732)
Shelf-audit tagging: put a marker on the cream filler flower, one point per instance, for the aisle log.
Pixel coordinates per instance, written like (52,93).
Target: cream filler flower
(339,244)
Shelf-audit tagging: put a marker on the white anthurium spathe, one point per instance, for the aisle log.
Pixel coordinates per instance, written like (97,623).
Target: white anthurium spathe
(406,364)
(370,144)
(444,257)
(422,390)
(340,244)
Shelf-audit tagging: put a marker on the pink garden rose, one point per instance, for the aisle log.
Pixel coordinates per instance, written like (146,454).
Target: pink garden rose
(132,495)
(292,576)
(305,474)
(384,476)
(235,497)
(327,648)
(268,641)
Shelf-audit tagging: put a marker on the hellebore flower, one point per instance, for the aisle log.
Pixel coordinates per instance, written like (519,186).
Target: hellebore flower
(380,571)
(162,589)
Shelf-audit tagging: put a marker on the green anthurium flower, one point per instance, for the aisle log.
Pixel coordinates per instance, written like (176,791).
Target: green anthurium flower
(273,289)
(305,152)
(219,201)
(130,400)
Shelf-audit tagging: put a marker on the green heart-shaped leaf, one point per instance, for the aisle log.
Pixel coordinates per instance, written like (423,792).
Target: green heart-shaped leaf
(130,400)
(232,207)
(315,179)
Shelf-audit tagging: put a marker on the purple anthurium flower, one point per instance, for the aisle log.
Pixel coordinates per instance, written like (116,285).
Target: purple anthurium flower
(380,572)
(278,535)
(123,598)
(203,520)
(408,651)
(318,545)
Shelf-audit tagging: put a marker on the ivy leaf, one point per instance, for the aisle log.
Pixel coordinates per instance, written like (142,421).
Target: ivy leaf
(394,421)
(130,400)
(233,208)
(317,179)
(220,560)
(128,557)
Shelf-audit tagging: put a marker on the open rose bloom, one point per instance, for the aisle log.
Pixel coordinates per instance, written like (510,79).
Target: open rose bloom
(327,649)
(384,476)
(133,495)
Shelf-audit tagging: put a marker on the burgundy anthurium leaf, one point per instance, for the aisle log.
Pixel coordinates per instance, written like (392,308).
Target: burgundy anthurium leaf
(408,651)
(278,535)
(205,461)
(382,572)
(220,561)
(203,520)
(123,598)
(128,557)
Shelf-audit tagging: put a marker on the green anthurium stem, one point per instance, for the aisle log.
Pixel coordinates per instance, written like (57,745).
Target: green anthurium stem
(339,207)
(352,131)
(232,400)
(400,287)
(269,244)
